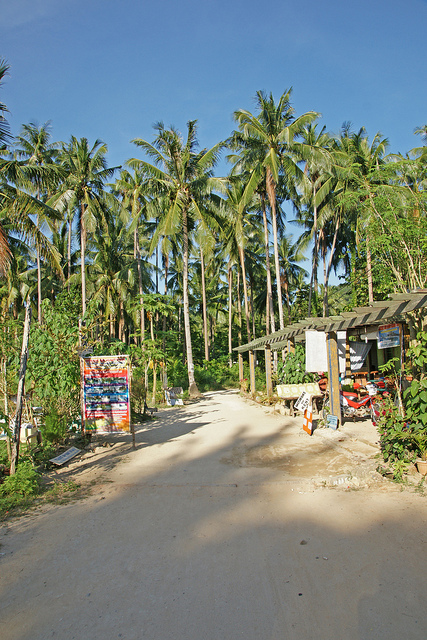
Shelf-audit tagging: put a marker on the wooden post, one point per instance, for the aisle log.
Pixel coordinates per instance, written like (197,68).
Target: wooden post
(241,370)
(21,381)
(132,426)
(347,358)
(334,375)
(252,370)
(6,410)
(268,371)
(291,345)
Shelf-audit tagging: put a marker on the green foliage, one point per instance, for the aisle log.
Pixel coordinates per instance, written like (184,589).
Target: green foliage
(396,443)
(292,371)
(3,454)
(404,437)
(39,456)
(55,425)
(177,374)
(397,231)
(53,371)
(417,354)
(212,375)
(217,374)
(415,399)
(16,490)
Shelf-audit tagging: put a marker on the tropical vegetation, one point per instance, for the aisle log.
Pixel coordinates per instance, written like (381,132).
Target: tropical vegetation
(164,260)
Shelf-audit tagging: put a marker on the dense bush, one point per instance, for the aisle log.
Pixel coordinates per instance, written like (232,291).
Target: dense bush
(403,431)
(211,376)
(292,371)
(53,373)
(16,490)
(217,374)
(395,442)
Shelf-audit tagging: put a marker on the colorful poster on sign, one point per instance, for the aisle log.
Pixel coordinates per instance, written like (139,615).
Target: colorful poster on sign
(388,336)
(106,394)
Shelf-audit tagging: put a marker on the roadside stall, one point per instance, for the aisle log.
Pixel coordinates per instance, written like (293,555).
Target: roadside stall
(354,343)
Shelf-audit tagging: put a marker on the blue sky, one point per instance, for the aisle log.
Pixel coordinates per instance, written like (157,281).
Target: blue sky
(111,69)
(108,69)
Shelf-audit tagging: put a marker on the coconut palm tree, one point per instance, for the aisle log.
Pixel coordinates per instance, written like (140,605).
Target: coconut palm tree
(83,189)
(357,167)
(17,205)
(269,140)
(290,256)
(5,254)
(112,274)
(316,186)
(33,144)
(135,189)
(236,232)
(184,175)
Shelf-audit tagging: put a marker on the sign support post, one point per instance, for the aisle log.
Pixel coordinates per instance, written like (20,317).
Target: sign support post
(268,371)
(252,370)
(334,375)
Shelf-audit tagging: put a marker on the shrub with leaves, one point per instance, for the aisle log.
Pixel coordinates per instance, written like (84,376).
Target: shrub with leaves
(16,490)
(292,371)
(53,366)
(396,442)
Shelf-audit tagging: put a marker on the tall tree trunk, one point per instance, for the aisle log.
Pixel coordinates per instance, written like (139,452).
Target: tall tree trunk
(230,314)
(151,318)
(313,280)
(205,317)
(137,253)
(122,336)
(245,291)
(157,262)
(153,397)
(353,276)
(325,279)
(288,299)
(83,257)
(39,278)
(239,308)
(193,389)
(20,393)
(269,316)
(166,263)
(369,273)
(271,190)
(70,231)
(328,270)
(251,281)
(6,405)
(39,287)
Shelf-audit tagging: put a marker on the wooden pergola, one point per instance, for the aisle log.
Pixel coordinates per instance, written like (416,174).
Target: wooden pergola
(393,310)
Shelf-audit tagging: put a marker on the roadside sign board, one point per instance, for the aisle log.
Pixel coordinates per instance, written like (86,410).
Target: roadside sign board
(388,336)
(66,456)
(332,422)
(303,402)
(106,397)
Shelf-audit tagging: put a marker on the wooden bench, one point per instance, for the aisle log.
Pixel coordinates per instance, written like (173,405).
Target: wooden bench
(291,392)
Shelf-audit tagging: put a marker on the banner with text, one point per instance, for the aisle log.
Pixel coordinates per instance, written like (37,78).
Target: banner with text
(388,336)
(106,394)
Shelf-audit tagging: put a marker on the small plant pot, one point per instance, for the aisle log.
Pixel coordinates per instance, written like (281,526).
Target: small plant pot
(422,467)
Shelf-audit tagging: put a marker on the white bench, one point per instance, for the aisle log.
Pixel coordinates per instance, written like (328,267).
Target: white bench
(292,392)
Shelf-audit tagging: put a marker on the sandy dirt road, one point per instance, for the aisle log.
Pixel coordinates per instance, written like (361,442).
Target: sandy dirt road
(213,529)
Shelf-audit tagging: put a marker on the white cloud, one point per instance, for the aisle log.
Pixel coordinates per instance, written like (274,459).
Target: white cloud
(14,13)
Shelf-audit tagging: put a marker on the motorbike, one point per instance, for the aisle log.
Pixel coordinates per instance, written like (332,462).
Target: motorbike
(355,406)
